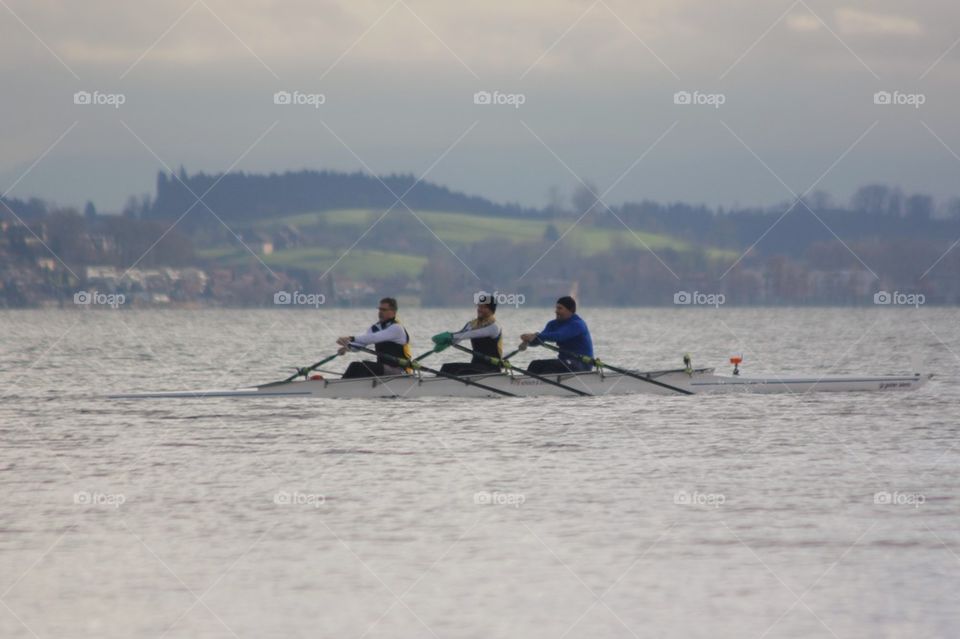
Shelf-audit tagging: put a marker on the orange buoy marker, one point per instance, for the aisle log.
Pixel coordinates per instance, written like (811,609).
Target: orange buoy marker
(735,360)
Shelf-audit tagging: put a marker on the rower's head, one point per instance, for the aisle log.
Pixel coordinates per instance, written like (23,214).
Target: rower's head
(387,310)
(566,307)
(486,308)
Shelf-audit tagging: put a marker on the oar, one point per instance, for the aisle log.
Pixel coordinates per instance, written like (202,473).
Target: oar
(302,371)
(586,359)
(415,364)
(506,364)
(425,355)
(509,355)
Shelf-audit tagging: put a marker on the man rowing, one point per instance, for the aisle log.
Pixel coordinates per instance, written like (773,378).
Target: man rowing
(572,337)
(389,339)
(486,340)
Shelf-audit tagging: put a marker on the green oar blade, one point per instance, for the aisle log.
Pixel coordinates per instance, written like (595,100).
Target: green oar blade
(301,372)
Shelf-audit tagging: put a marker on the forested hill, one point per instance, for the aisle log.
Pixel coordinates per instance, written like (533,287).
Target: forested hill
(243,199)
(247,197)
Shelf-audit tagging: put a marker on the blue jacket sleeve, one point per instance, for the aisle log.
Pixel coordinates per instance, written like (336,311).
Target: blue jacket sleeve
(556,332)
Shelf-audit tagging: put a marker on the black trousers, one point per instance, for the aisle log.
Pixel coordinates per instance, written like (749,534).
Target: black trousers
(370,369)
(555,366)
(468,368)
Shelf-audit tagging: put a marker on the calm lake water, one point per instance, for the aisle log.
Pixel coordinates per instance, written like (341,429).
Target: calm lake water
(600,517)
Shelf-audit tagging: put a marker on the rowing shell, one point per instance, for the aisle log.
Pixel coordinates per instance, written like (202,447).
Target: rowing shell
(700,381)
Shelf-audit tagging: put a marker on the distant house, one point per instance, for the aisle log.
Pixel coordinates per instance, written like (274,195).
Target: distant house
(258,242)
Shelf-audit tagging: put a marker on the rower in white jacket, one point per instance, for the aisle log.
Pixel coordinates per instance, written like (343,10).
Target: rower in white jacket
(389,339)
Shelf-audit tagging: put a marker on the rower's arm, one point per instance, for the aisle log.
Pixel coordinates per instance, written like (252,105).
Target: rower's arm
(393,333)
(491,330)
(565,331)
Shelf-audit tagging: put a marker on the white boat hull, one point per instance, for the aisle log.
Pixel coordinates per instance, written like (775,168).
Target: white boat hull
(677,382)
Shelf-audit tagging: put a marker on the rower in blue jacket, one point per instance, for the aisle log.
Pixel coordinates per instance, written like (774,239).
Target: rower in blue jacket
(571,335)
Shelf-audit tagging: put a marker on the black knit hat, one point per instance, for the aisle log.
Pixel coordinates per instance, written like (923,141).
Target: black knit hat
(568,303)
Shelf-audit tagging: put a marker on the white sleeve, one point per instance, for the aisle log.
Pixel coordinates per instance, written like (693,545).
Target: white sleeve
(393,333)
(490,330)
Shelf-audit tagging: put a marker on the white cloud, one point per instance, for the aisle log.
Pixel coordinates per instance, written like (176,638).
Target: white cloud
(856,22)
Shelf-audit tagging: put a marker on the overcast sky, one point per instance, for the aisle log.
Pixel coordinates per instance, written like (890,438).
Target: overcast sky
(597,82)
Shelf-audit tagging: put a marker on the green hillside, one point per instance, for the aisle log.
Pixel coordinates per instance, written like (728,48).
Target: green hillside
(466,228)
(455,229)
